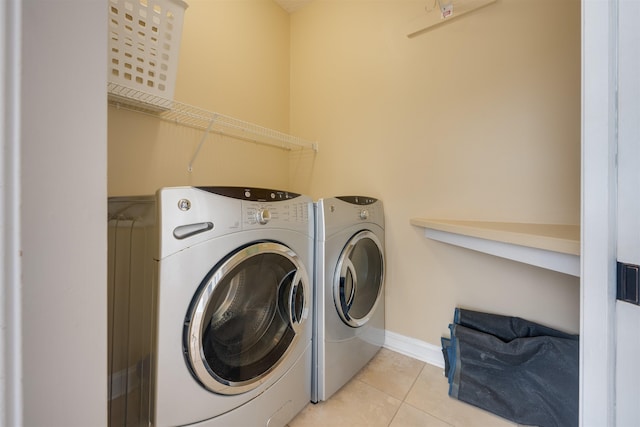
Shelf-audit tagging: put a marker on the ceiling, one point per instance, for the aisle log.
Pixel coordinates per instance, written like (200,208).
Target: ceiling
(292,5)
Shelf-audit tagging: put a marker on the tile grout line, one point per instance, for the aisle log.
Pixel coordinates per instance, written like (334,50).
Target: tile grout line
(415,380)
(430,414)
(383,392)
(404,400)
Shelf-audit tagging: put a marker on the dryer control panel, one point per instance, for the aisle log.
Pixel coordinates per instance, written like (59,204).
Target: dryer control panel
(336,213)
(358,200)
(362,208)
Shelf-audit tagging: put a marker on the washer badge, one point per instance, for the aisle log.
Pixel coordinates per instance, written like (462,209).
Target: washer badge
(184,204)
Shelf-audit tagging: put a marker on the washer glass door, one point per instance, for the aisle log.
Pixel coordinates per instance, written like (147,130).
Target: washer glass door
(246,317)
(359,278)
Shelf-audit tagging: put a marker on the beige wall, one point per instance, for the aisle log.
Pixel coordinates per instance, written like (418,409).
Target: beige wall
(234,60)
(476,119)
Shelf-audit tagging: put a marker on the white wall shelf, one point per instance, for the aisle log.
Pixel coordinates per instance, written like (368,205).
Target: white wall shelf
(188,115)
(552,246)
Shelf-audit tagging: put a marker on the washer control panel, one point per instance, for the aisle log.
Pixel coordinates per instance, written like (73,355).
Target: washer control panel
(252,194)
(190,215)
(263,206)
(259,213)
(263,215)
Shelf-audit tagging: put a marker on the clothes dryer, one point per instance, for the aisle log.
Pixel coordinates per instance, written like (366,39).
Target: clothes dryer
(349,290)
(222,299)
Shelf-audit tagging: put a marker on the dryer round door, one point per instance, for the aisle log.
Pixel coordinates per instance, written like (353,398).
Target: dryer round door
(246,317)
(359,278)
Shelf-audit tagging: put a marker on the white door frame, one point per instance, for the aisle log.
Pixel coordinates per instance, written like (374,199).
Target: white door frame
(10,297)
(598,213)
(627,345)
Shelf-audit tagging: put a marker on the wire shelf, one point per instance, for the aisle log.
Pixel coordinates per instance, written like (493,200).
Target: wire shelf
(188,115)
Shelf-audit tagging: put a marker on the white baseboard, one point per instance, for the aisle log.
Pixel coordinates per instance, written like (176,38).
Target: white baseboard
(415,348)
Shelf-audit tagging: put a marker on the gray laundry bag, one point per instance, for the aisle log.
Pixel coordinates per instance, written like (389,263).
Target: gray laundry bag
(514,368)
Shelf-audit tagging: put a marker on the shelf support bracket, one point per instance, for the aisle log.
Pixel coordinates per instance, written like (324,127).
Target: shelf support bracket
(204,137)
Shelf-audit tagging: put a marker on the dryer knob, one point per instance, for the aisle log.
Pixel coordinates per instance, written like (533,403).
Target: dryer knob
(263,216)
(364,214)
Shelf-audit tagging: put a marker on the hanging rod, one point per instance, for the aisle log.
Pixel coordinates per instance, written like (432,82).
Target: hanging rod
(188,115)
(428,18)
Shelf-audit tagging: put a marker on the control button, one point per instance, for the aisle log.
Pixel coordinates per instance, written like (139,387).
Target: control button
(273,195)
(364,214)
(263,216)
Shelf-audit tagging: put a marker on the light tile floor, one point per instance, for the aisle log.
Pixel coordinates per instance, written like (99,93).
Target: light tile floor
(394,390)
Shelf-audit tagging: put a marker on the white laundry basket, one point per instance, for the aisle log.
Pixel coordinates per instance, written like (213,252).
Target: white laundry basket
(144,42)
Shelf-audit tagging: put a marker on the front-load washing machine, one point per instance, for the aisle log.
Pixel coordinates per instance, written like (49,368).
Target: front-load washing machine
(349,322)
(210,307)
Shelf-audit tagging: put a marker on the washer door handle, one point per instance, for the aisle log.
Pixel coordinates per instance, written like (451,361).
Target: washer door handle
(297,302)
(347,300)
(184,231)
